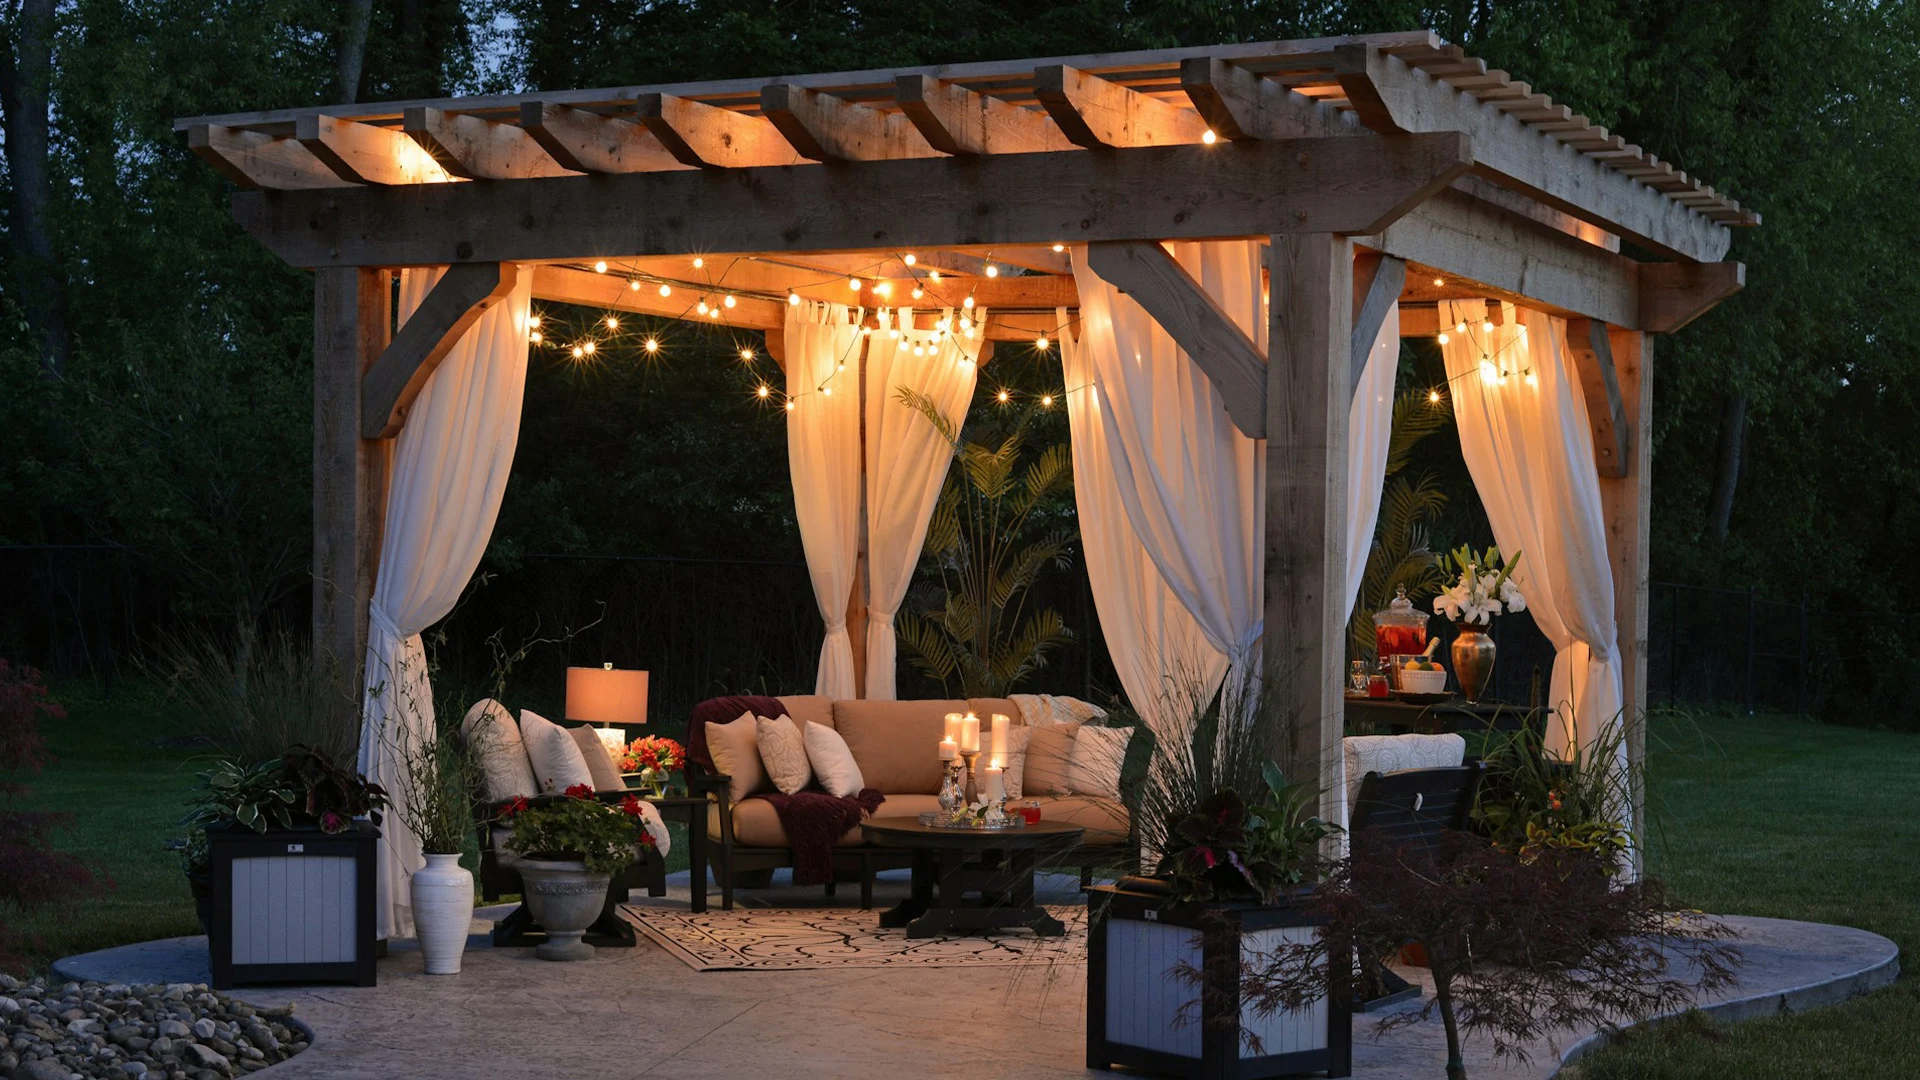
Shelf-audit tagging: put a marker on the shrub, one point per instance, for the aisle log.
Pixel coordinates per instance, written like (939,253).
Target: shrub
(32,873)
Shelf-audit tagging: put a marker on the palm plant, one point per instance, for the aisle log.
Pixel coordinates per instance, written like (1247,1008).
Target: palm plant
(1400,556)
(989,544)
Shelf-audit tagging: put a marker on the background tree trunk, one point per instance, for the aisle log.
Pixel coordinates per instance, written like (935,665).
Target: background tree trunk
(1733,444)
(26,81)
(353,52)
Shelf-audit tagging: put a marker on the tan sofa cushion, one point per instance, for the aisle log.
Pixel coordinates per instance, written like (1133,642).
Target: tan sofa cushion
(809,709)
(896,743)
(985,707)
(1105,820)
(1049,749)
(756,824)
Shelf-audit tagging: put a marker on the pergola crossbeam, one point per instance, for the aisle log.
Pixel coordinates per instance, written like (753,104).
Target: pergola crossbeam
(825,128)
(456,302)
(1674,294)
(588,142)
(476,149)
(365,154)
(710,137)
(1098,113)
(956,120)
(256,160)
(1196,322)
(1237,104)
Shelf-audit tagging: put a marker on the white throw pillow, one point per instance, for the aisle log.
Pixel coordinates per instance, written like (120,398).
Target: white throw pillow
(832,762)
(735,750)
(494,739)
(555,757)
(1016,770)
(1094,767)
(784,752)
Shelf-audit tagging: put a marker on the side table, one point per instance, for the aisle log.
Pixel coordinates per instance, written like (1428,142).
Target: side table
(691,812)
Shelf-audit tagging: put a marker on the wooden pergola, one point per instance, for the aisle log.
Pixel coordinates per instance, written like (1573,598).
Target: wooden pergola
(1382,167)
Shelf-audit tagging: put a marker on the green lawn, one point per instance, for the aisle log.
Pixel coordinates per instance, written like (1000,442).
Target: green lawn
(1758,816)
(1795,820)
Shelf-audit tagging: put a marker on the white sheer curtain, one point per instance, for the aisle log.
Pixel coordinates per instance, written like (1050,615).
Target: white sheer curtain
(1191,483)
(907,460)
(1369,429)
(1162,657)
(450,469)
(1525,436)
(823,459)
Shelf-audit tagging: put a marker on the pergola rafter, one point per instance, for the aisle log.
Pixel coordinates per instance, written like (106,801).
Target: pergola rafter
(1379,169)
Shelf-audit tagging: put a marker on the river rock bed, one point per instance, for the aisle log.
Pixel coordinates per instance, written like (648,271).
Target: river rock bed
(176,1031)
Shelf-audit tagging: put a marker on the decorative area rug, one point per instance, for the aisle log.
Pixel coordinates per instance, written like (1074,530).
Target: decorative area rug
(781,939)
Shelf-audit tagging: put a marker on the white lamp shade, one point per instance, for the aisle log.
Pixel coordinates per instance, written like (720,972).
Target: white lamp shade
(605,695)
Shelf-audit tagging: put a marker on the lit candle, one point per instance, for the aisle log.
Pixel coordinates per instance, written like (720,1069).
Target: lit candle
(996,783)
(1000,740)
(953,725)
(949,749)
(970,734)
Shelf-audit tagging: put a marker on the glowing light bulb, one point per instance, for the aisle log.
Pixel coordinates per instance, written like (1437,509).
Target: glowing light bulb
(967,303)
(613,323)
(534,337)
(853,283)
(713,313)
(763,391)
(966,323)
(1046,401)
(1486,328)
(883,289)
(841,366)
(893,332)
(698,262)
(1487,373)
(578,352)
(1439,282)
(1443,339)
(992,270)
(533,320)
(1433,396)
(827,390)
(1040,343)
(793,298)
(919,350)
(1532,379)
(702,307)
(918,292)
(933,275)
(1460,327)
(730,301)
(1209,137)
(600,267)
(942,325)
(747,355)
(634,284)
(1002,397)
(1059,247)
(666,289)
(589,346)
(789,406)
(652,345)
(909,259)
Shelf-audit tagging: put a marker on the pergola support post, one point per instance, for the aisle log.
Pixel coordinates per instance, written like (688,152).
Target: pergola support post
(1626,500)
(352,321)
(1309,388)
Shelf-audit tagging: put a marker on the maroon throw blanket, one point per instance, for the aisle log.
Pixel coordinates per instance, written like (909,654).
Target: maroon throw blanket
(814,820)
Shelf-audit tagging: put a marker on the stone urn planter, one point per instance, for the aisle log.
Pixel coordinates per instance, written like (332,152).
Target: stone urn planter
(442,894)
(564,898)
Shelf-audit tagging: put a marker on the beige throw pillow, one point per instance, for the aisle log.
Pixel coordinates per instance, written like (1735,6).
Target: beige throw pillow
(1094,767)
(735,750)
(494,739)
(1045,762)
(832,762)
(606,775)
(557,761)
(784,752)
(1016,770)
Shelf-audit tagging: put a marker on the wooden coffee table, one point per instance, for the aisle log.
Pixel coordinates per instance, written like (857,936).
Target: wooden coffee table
(984,877)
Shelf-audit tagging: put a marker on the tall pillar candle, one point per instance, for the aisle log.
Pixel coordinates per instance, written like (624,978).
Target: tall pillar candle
(996,783)
(953,726)
(969,734)
(998,755)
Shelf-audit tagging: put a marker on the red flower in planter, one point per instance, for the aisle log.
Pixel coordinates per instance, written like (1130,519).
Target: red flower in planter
(580,791)
(512,807)
(630,806)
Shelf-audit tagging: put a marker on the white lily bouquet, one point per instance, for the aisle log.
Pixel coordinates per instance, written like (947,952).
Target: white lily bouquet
(1483,586)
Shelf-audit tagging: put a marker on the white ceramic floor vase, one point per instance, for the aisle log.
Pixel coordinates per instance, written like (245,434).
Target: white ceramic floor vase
(442,912)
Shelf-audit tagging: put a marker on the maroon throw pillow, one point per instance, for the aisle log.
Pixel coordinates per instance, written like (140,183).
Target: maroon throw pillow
(723,710)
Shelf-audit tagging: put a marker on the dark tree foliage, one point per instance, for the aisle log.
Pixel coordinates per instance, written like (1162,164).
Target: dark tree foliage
(32,872)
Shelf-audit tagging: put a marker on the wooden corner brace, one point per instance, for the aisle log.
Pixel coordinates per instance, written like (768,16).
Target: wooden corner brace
(457,301)
(1204,331)
(1377,281)
(1593,359)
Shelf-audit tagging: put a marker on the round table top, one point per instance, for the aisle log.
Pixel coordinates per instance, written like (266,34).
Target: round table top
(908,832)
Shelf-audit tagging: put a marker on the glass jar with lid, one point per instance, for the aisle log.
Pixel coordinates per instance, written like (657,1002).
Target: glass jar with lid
(1399,629)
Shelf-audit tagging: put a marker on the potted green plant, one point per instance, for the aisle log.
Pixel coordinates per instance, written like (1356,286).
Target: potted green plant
(570,848)
(1236,853)
(440,780)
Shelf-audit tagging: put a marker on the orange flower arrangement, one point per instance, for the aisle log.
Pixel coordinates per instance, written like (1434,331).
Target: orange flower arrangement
(656,752)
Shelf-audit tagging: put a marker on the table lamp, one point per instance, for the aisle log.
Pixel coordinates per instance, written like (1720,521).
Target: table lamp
(606,695)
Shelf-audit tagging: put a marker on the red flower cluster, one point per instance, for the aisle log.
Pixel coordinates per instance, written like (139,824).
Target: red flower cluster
(653,752)
(580,791)
(630,806)
(512,806)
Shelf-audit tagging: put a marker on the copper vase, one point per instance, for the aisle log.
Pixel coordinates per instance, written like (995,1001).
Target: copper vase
(1472,662)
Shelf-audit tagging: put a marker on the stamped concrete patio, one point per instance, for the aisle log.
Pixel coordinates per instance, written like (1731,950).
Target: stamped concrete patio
(643,1013)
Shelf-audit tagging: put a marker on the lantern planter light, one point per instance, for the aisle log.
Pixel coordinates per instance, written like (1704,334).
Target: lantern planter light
(292,905)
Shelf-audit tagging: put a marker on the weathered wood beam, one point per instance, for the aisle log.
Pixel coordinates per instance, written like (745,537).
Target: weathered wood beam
(1509,153)
(1040,258)
(587,142)
(476,149)
(955,120)
(1096,113)
(352,311)
(1237,104)
(365,154)
(254,160)
(456,302)
(699,134)
(827,128)
(1197,323)
(1510,257)
(1674,294)
(722,276)
(1587,340)
(1627,505)
(1344,185)
(1376,288)
(1303,645)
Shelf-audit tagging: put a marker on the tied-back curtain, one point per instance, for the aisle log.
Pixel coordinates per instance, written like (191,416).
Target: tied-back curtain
(450,467)
(1158,650)
(823,459)
(1369,430)
(907,461)
(1524,434)
(1192,485)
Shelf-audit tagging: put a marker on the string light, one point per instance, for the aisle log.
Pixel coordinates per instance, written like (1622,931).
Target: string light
(1437,282)
(713,313)
(1059,248)
(1487,372)
(589,347)
(600,267)
(967,303)
(909,259)
(652,345)
(1443,339)
(1040,343)
(1003,397)
(730,301)
(634,284)
(747,355)
(789,406)
(1209,137)
(918,292)
(763,391)
(793,299)
(1532,379)
(1486,327)
(698,262)
(827,390)
(1046,401)
(613,323)
(853,283)
(992,270)
(534,337)
(934,275)
(578,352)
(919,350)
(666,289)
(1433,396)
(533,320)
(884,289)
(703,307)
(965,323)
